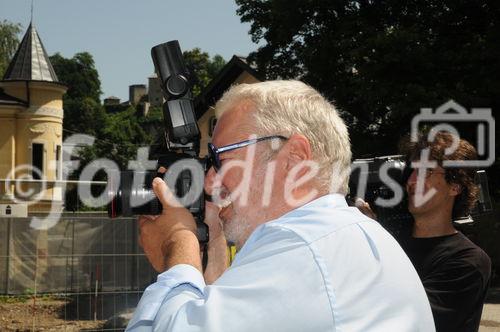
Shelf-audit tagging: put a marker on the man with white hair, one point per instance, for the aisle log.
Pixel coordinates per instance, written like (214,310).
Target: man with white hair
(306,262)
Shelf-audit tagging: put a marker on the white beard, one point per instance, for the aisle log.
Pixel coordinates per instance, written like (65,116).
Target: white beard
(236,230)
(242,223)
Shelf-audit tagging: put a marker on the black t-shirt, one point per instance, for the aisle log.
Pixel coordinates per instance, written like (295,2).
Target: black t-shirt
(455,274)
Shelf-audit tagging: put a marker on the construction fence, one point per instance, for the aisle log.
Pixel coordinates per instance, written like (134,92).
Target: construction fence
(94,260)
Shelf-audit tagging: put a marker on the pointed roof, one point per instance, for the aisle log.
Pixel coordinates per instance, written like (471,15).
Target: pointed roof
(31,62)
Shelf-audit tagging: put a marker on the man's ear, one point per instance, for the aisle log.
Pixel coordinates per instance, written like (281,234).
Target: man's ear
(298,149)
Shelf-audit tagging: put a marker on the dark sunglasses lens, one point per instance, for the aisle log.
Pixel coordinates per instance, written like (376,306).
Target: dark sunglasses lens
(212,156)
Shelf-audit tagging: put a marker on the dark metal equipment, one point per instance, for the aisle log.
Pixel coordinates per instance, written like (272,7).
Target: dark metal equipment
(375,180)
(182,139)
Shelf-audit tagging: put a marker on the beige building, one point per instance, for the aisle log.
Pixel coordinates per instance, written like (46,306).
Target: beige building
(31,117)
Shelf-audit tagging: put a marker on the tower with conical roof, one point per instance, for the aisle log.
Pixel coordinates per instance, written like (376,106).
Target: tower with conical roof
(31,117)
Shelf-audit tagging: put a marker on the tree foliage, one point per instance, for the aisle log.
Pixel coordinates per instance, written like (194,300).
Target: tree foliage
(83,112)
(79,74)
(9,41)
(117,135)
(202,68)
(381,61)
(118,139)
(83,115)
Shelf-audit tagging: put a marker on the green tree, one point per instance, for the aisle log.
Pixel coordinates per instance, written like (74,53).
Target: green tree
(84,115)
(82,106)
(9,41)
(118,139)
(79,74)
(381,61)
(153,125)
(202,68)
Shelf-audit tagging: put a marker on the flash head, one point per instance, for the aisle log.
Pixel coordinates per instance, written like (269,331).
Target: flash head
(170,68)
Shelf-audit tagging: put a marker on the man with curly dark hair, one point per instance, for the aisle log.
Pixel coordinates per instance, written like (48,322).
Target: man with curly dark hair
(455,272)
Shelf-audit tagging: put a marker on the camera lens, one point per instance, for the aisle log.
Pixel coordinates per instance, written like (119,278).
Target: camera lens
(128,200)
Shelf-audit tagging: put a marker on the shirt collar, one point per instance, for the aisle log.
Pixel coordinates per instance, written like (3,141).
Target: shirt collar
(330,201)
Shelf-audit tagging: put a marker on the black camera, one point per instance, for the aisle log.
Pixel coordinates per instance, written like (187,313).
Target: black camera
(381,181)
(133,194)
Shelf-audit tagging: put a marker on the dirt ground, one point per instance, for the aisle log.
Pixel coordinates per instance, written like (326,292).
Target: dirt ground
(46,315)
(49,315)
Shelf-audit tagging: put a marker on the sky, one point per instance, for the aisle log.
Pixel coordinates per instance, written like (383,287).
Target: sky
(120,33)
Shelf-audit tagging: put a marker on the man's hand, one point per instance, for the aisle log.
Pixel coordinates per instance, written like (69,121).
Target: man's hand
(218,258)
(365,208)
(170,238)
(212,220)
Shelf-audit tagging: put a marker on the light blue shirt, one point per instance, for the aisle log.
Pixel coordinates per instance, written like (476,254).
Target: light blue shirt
(322,267)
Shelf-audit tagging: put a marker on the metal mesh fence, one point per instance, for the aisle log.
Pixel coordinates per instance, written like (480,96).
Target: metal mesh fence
(90,265)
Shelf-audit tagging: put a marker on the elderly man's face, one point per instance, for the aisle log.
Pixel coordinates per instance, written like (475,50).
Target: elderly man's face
(242,215)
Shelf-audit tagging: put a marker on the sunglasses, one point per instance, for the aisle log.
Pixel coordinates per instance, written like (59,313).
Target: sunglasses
(214,152)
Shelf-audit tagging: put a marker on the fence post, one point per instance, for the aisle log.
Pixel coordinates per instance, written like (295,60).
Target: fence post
(7,279)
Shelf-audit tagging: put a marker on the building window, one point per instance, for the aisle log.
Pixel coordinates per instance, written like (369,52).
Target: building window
(58,162)
(37,160)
